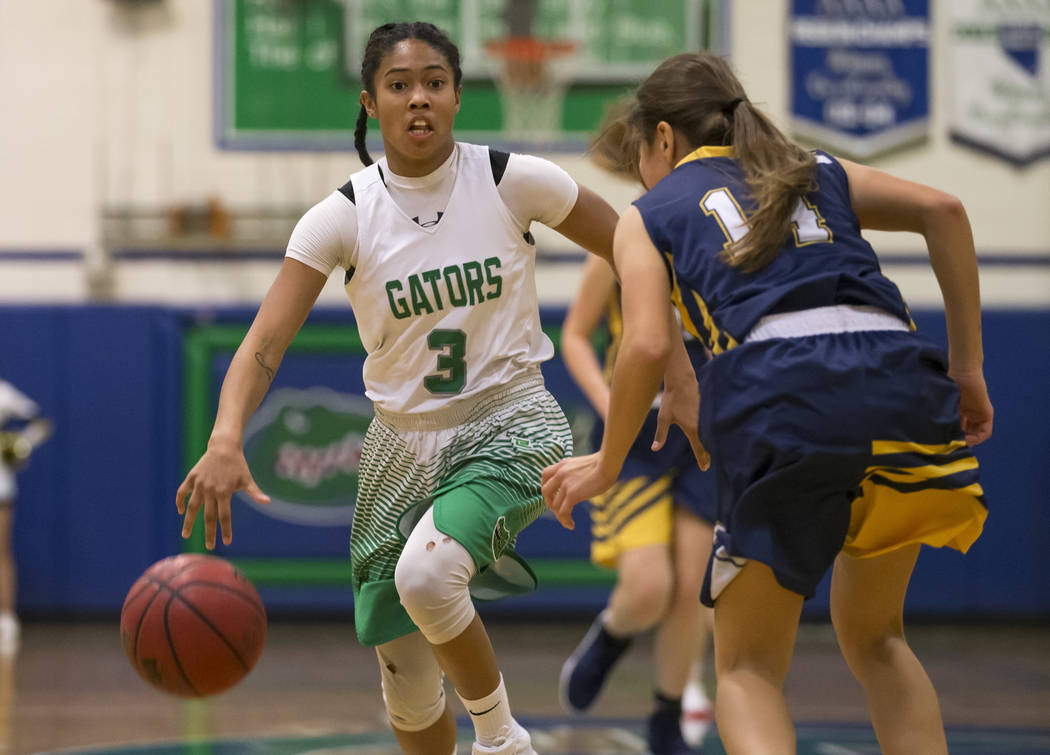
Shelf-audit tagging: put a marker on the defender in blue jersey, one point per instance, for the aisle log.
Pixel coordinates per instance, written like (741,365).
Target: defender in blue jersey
(837,435)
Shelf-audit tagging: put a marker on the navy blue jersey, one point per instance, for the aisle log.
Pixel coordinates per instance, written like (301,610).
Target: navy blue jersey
(699,209)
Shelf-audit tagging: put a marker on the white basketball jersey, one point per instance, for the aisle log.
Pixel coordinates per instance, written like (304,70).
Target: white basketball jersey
(447,310)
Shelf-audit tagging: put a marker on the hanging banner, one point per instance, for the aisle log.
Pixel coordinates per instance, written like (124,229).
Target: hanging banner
(1001,56)
(860,74)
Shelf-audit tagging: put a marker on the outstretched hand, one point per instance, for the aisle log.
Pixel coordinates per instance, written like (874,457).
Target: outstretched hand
(209,486)
(975,408)
(573,480)
(680,405)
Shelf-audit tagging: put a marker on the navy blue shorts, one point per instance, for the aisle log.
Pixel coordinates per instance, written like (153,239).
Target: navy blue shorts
(827,443)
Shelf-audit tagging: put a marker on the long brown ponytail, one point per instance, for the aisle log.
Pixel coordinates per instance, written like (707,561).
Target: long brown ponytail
(701,98)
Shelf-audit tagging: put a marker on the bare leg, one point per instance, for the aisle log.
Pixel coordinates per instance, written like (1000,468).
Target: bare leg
(469,661)
(643,588)
(867,610)
(682,634)
(756,621)
(439,737)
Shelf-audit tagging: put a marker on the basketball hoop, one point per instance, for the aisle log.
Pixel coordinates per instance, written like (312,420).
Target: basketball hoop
(532,79)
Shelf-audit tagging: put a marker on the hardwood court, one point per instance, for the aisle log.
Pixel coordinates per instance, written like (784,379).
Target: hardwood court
(316,690)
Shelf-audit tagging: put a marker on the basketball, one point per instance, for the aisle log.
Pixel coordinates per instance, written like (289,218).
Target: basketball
(193,625)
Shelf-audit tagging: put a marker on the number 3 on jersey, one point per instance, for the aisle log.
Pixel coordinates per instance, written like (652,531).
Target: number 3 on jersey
(806,222)
(452,375)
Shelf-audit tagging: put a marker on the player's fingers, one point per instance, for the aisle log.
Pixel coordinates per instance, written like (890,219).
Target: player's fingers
(703,458)
(180,497)
(192,507)
(660,436)
(550,481)
(210,516)
(549,472)
(225,522)
(977,432)
(256,492)
(564,508)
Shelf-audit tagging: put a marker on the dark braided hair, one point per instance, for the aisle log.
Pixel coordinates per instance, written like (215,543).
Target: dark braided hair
(380,42)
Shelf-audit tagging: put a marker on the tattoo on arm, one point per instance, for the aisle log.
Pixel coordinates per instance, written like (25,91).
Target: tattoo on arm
(262,363)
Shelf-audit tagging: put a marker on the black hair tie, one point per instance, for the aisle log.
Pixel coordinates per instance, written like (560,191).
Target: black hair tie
(729,109)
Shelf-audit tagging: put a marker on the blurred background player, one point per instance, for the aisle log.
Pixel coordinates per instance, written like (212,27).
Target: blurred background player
(654,528)
(838,435)
(22,429)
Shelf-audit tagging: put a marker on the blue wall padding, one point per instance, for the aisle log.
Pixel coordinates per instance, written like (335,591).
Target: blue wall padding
(96,503)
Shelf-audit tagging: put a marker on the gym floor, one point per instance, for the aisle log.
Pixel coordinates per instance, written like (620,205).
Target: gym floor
(315,690)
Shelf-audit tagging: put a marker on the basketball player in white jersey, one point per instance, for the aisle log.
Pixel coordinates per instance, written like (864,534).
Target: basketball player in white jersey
(439,268)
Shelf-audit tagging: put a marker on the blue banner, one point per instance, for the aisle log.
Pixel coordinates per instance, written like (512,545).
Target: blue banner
(860,74)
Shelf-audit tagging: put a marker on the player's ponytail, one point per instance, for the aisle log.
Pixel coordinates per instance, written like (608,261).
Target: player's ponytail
(359,137)
(701,98)
(779,173)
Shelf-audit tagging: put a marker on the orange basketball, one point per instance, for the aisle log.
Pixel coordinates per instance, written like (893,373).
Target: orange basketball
(193,625)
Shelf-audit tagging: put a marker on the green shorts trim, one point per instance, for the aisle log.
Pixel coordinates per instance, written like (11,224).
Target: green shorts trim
(483,479)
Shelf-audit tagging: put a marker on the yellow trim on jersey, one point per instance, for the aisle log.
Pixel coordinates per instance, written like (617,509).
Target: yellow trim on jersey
(716,335)
(676,299)
(879,447)
(702,152)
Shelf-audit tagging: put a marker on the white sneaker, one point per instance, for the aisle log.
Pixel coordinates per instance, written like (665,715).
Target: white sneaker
(697,713)
(9,634)
(516,742)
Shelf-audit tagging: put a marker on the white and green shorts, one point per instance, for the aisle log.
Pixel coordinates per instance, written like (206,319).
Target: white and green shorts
(478,463)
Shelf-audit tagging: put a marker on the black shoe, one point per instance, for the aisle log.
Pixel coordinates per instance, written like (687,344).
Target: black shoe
(583,674)
(664,734)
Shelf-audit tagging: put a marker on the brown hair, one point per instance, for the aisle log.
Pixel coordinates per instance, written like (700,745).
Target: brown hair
(701,98)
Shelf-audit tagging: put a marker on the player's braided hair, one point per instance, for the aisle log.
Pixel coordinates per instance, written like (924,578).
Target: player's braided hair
(701,98)
(380,42)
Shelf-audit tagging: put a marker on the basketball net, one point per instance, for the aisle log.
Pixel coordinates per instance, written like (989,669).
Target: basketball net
(532,78)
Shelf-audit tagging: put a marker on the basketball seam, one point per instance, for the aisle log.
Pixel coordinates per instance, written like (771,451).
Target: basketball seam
(138,627)
(132,597)
(210,625)
(171,646)
(252,599)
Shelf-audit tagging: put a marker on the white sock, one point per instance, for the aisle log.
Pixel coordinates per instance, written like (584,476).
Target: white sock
(490,715)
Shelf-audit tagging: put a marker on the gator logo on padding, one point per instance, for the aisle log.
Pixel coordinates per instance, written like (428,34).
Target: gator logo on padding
(500,537)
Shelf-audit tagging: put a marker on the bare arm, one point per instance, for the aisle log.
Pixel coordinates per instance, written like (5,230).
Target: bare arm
(639,369)
(888,203)
(591,224)
(222,470)
(597,285)
(283,311)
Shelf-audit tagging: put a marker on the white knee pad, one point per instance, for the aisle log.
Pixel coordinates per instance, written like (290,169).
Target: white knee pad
(432,578)
(413,688)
